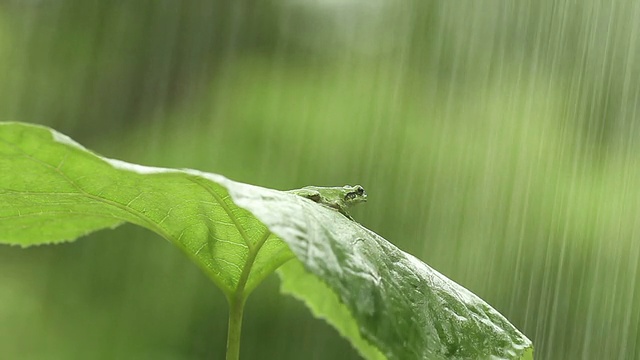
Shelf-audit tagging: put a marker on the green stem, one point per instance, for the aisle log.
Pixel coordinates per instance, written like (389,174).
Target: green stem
(237,301)
(236,309)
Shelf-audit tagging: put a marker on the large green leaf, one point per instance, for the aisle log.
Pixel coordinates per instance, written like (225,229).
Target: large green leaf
(386,302)
(53,190)
(404,307)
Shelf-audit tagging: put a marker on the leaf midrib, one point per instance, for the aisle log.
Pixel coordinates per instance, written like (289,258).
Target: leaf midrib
(238,295)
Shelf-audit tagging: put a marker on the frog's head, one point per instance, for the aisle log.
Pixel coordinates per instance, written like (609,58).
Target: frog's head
(353,195)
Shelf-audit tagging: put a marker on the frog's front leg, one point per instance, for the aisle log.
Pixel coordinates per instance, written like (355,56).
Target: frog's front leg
(337,206)
(343,212)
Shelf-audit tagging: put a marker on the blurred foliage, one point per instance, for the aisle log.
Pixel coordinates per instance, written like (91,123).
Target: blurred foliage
(498,143)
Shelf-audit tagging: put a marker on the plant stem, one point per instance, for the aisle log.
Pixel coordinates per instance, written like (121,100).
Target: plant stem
(237,300)
(236,308)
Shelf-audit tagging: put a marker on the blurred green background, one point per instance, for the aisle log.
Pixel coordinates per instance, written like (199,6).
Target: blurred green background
(498,141)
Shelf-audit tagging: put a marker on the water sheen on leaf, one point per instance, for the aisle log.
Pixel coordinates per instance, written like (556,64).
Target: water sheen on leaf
(386,302)
(404,307)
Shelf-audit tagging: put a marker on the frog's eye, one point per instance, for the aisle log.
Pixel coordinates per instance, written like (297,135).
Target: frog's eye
(359,190)
(350,195)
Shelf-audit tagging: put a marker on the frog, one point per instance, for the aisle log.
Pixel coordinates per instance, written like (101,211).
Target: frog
(337,198)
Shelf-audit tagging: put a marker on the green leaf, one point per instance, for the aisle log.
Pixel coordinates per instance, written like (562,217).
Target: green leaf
(386,302)
(402,306)
(52,190)
(324,303)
